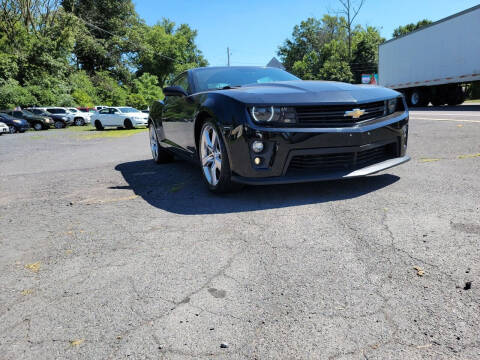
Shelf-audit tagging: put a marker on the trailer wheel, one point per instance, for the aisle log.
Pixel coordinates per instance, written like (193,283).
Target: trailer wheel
(456,96)
(418,98)
(438,101)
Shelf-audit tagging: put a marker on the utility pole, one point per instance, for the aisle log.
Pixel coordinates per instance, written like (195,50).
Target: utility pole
(228,56)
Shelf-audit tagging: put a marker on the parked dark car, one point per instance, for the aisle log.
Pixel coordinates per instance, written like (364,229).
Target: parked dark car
(14,124)
(256,125)
(36,121)
(60,121)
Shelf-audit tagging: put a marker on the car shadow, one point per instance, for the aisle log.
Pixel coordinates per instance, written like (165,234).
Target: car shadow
(178,188)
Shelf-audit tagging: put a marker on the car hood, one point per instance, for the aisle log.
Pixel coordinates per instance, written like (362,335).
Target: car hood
(308,92)
(138,115)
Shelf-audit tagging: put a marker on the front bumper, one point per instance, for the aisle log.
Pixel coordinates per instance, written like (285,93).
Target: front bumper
(140,122)
(316,154)
(312,176)
(4,130)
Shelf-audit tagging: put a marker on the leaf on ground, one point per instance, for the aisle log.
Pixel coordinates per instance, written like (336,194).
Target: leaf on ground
(33,267)
(68,252)
(424,346)
(76,342)
(459,125)
(426,160)
(420,271)
(469,156)
(177,187)
(27,292)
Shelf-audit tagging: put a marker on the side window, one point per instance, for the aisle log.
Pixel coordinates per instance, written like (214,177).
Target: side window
(18,114)
(104,111)
(182,81)
(114,111)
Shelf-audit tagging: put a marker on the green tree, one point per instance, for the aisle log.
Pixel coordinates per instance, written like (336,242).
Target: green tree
(104,40)
(109,91)
(365,53)
(145,91)
(167,50)
(12,95)
(406,29)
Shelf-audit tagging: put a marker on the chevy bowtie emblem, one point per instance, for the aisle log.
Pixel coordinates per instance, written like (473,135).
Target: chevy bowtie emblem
(355,113)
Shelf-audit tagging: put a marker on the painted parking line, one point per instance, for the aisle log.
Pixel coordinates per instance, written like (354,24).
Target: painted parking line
(454,120)
(422,113)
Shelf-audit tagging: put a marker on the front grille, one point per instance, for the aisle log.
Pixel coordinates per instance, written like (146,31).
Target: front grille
(344,161)
(334,115)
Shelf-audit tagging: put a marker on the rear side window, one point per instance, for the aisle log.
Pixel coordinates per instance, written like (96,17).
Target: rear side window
(18,113)
(182,81)
(104,111)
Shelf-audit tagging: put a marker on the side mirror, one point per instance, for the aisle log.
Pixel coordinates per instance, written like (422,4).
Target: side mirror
(174,91)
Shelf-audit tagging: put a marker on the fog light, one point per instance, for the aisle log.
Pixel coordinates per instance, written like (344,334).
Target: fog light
(257,146)
(257,160)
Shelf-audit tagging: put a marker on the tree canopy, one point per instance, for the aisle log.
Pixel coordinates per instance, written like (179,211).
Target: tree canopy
(404,30)
(319,49)
(87,52)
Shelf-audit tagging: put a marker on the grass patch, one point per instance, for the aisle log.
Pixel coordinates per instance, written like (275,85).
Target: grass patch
(81,128)
(37,137)
(477,101)
(113,133)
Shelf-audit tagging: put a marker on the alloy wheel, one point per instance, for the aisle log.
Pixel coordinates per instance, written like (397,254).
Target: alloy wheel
(38,126)
(153,142)
(12,129)
(211,155)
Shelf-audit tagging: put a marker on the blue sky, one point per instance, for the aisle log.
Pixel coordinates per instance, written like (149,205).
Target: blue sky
(253,29)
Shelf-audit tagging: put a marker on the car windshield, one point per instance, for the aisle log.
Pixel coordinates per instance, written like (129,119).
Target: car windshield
(218,78)
(6,116)
(128,110)
(73,110)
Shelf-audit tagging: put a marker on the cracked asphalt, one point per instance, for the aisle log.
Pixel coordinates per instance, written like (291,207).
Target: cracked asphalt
(105,255)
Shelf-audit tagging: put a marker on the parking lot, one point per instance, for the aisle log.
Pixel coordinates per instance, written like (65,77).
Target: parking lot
(106,255)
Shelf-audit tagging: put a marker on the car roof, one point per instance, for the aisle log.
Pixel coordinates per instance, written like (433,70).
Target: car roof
(230,67)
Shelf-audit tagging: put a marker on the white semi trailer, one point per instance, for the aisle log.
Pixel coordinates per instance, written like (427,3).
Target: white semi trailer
(434,63)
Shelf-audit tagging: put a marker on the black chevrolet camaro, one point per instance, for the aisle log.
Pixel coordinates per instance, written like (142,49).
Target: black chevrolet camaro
(257,125)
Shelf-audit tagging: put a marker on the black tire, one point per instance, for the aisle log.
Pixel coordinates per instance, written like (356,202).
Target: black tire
(437,101)
(456,97)
(98,125)
(224,175)
(159,154)
(128,124)
(59,125)
(79,122)
(12,129)
(418,98)
(38,126)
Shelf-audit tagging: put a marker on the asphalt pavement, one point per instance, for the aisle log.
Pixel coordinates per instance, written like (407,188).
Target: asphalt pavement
(105,255)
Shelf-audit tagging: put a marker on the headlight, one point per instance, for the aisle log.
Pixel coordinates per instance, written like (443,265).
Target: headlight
(391,106)
(64,118)
(273,114)
(17,121)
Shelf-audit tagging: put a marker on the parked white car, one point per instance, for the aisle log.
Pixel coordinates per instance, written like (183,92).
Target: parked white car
(126,117)
(3,128)
(80,118)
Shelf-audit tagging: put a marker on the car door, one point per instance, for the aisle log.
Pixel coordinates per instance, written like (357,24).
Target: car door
(116,117)
(178,117)
(104,117)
